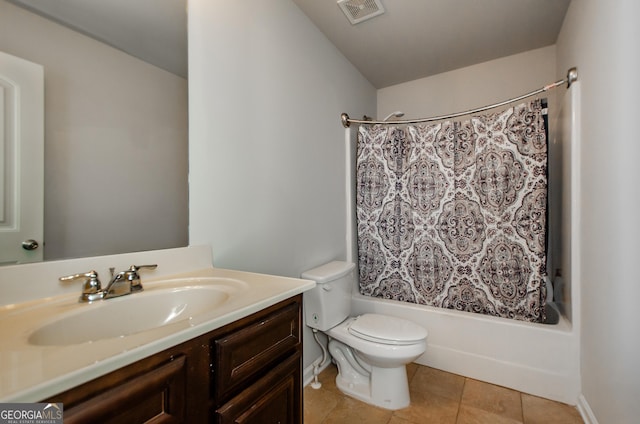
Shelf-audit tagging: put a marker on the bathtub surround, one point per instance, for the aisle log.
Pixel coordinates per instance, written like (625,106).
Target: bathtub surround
(453,214)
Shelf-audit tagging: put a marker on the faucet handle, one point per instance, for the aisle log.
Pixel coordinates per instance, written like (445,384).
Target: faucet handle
(137,267)
(91,288)
(133,276)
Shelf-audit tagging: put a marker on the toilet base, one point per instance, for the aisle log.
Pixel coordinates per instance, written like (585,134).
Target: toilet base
(386,388)
(391,392)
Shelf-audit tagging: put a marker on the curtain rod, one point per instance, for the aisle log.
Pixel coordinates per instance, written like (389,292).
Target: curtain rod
(572,76)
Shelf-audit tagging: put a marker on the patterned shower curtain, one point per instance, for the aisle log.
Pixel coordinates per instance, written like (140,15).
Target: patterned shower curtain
(453,214)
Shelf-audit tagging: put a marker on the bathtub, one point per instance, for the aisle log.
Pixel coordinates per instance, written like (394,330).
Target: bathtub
(538,359)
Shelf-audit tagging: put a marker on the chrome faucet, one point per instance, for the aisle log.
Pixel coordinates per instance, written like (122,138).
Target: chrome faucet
(121,284)
(126,282)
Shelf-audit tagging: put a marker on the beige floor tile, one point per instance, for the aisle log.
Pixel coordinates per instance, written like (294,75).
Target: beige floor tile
(396,420)
(471,415)
(537,410)
(440,383)
(318,403)
(429,408)
(491,398)
(352,411)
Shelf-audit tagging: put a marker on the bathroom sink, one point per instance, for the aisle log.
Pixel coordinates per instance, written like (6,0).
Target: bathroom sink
(51,342)
(127,315)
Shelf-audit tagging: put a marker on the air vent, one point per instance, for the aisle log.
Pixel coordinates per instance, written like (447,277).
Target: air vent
(360,10)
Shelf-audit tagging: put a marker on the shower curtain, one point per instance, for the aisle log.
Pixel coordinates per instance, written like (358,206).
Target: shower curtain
(453,214)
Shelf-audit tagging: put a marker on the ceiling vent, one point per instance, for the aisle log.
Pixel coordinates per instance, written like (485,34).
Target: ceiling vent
(360,10)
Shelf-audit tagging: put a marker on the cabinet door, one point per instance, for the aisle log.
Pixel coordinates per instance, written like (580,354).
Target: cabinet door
(274,399)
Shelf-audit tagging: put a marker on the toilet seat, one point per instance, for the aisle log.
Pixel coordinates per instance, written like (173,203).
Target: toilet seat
(385,329)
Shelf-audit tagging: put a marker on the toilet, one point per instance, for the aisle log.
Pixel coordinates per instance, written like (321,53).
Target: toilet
(370,350)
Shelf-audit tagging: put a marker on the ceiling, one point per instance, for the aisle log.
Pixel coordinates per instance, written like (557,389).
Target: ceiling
(412,39)
(152,30)
(418,38)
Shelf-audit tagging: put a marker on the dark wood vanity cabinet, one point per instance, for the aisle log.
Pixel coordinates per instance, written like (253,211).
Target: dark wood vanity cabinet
(249,371)
(257,370)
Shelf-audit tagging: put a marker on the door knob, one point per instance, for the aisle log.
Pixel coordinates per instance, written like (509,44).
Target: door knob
(30,244)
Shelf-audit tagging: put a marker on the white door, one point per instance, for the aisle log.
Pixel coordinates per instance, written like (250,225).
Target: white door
(21,159)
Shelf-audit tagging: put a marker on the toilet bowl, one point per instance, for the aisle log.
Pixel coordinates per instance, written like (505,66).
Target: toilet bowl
(374,371)
(370,350)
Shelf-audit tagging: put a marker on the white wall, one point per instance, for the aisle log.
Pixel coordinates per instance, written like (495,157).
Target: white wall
(115,142)
(266,143)
(266,149)
(601,39)
(470,87)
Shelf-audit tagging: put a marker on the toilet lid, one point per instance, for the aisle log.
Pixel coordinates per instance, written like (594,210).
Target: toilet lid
(386,330)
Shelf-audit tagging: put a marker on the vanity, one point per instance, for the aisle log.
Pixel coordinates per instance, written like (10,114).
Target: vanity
(198,344)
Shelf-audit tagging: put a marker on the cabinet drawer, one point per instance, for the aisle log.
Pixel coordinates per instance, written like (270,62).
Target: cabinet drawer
(275,398)
(254,349)
(158,395)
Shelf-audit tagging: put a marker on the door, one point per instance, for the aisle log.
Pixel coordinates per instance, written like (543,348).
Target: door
(21,160)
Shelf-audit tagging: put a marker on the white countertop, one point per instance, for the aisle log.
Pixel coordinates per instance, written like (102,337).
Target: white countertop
(30,373)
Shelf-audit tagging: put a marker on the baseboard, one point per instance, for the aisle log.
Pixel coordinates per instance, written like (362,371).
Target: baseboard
(307,376)
(585,411)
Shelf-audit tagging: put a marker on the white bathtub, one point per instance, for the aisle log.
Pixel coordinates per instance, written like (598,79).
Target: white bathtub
(539,359)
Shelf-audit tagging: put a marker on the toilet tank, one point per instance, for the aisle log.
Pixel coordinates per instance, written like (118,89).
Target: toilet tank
(329,302)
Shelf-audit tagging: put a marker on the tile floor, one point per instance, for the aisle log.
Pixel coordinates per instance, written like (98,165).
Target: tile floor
(436,397)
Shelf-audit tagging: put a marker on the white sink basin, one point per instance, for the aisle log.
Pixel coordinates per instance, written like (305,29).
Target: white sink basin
(127,315)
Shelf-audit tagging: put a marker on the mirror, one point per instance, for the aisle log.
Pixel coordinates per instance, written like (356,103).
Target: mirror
(116,125)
